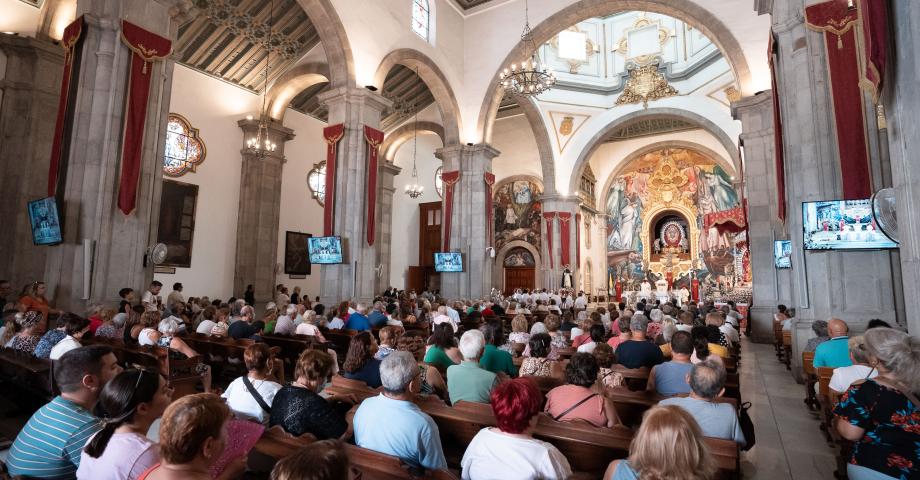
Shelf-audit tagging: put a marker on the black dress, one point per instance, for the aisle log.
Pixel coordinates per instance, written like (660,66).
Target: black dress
(300,411)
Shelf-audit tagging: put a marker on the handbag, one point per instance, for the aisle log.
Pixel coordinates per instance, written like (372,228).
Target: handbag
(747,425)
(255,395)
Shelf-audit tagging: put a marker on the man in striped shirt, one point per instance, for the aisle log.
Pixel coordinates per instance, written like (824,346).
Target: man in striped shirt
(49,445)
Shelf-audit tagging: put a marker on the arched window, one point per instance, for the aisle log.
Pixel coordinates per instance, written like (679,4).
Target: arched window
(421,19)
(184,149)
(439,182)
(316,180)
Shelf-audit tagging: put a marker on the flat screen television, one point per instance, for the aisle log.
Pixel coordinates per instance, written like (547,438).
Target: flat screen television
(782,253)
(842,225)
(46,226)
(325,250)
(448,262)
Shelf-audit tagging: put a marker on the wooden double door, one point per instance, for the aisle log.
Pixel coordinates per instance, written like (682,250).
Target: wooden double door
(519,277)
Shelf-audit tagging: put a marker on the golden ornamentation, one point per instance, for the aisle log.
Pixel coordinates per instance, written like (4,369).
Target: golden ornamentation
(622,45)
(590,49)
(645,83)
(665,183)
(565,127)
(732,94)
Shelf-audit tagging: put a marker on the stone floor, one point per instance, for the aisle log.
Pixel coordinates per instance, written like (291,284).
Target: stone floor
(789,443)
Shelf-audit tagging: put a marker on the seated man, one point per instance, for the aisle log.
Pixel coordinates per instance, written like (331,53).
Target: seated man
(717,420)
(50,444)
(378,318)
(834,352)
(638,351)
(468,381)
(390,423)
(243,328)
(670,378)
(358,320)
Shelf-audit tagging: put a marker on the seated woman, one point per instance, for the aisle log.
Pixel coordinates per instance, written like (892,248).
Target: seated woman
(206,320)
(519,332)
(146,321)
(52,336)
(596,335)
(843,377)
(582,335)
(431,379)
(112,324)
(538,364)
(121,450)
(581,398)
(360,363)
(299,408)
(322,460)
(180,311)
(625,335)
(493,359)
(670,433)
(704,347)
(605,358)
(509,450)
(442,351)
(557,339)
(221,323)
(388,338)
(193,436)
(75,327)
(250,397)
(308,327)
(165,336)
(25,339)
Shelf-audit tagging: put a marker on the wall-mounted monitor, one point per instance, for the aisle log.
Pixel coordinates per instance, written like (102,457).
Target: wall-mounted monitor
(842,225)
(782,253)
(325,250)
(46,226)
(448,262)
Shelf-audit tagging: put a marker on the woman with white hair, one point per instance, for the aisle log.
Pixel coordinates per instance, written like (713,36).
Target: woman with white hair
(308,327)
(165,336)
(860,370)
(882,414)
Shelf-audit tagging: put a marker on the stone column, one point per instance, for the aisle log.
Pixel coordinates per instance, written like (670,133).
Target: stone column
(469,220)
(259,212)
(385,191)
(356,277)
(771,286)
(553,273)
(89,209)
(29,93)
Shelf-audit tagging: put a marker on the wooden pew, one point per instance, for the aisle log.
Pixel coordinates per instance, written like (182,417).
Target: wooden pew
(787,349)
(811,379)
(345,386)
(34,375)
(778,339)
(824,375)
(180,373)
(636,378)
(727,456)
(277,444)
(378,466)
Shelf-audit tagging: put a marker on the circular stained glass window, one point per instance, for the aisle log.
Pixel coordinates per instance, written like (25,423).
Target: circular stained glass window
(316,180)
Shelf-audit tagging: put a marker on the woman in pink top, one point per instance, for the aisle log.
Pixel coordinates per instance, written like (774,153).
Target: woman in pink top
(581,398)
(623,325)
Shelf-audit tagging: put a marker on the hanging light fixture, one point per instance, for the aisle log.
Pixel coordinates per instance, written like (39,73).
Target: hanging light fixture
(413,189)
(530,77)
(260,145)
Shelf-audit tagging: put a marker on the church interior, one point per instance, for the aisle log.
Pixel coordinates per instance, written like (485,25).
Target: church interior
(277,190)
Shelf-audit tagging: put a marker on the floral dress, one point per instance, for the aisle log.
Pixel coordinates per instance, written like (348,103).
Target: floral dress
(891,444)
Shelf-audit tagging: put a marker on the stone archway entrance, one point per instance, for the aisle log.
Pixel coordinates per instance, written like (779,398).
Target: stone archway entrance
(520,270)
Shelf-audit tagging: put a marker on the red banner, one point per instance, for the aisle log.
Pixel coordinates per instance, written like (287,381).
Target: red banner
(874,15)
(733,220)
(449,179)
(374,138)
(489,179)
(73,35)
(331,134)
(837,20)
(549,216)
(777,137)
(565,220)
(146,48)
(578,240)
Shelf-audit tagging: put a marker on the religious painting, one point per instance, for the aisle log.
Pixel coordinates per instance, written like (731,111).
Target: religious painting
(517,213)
(177,222)
(296,253)
(519,257)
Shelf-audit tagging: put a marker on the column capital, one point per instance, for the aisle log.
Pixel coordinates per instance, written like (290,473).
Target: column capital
(762,100)
(354,95)
(481,149)
(390,167)
(561,203)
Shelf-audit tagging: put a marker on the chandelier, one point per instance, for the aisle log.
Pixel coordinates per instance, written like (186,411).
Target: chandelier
(260,145)
(531,77)
(413,189)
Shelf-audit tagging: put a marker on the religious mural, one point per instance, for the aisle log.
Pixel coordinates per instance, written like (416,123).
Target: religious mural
(648,235)
(517,213)
(519,257)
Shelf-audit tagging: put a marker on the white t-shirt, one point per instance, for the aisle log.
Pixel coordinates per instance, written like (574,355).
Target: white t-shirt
(242,402)
(205,327)
(730,333)
(587,347)
(581,303)
(493,455)
(845,376)
(126,457)
(306,329)
(151,302)
(66,344)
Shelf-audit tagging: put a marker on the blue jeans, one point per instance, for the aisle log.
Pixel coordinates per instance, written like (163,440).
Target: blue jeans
(855,472)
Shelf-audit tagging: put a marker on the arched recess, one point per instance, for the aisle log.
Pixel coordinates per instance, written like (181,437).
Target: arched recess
(401,135)
(434,79)
(514,178)
(498,269)
(685,10)
(334,40)
(654,113)
(544,146)
(291,84)
(720,160)
(677,209)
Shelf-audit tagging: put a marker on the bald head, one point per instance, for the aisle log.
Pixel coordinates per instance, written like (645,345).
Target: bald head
(837,327)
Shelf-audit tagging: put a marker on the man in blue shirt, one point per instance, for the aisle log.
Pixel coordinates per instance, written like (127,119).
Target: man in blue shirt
(49,445)
(378,318)
(638,352)
(834,352)
(358,320)
(391,423)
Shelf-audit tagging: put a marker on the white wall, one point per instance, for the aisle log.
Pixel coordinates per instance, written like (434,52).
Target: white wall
(519,156)
(18,17)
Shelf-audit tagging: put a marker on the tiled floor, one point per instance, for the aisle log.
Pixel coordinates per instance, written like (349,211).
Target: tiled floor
(789,443)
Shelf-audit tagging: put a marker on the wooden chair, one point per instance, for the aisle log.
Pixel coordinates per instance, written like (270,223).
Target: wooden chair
(378,466)
(787,349)
(811,379)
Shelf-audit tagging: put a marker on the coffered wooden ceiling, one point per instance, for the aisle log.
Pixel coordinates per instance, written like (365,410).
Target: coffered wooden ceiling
(468,4)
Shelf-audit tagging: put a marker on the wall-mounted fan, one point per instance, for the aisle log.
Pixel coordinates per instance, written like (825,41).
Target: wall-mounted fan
(885,212)
(156,255)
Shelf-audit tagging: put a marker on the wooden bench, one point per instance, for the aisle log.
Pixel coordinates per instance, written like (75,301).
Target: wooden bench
(34,375)
(181,374)
(778,339)
(726,454)
(787,349)
(636,378)
(811,379)
(346,386)
(824,375)
(378,466)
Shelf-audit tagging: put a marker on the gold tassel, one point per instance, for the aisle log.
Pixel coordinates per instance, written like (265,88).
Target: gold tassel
(144,70)
(839,42)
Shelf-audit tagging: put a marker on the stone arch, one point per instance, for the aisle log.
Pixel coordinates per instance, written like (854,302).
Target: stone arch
(291,83)
(334,40)
(672,208)
(544,146)
(434,79)
(498,269)
(687,11)
(666,112)
(401,135)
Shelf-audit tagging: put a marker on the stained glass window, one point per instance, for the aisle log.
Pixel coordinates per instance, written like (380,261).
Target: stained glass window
(316,180)
(184,149)
(420,18)
(438,182)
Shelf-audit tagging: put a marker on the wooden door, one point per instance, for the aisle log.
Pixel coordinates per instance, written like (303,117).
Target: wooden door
(429,235)
(519,277)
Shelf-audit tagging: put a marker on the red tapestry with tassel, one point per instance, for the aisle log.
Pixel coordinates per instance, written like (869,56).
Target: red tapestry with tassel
(578,240)
(374,138)
(777,137)
(565,220)
(72,41)
(146,48)
(548,217)
(331,134)
(874,15)
(489,179)
(449,179)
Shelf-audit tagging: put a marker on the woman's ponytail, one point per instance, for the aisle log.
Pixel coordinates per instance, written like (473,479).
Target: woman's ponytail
(119,400)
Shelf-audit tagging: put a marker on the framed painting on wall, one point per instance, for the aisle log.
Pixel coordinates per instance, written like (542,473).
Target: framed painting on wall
(296,253)
(177,222)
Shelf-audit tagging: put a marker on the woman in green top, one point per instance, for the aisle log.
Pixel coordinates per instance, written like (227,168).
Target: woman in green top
(443,351)
(493,359)
(270,318)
